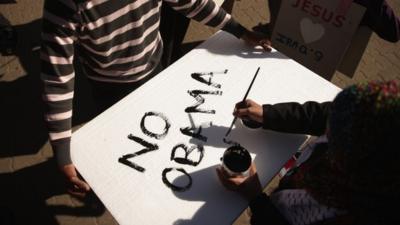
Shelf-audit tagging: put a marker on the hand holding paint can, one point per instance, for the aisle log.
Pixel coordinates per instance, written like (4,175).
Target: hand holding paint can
(238,173)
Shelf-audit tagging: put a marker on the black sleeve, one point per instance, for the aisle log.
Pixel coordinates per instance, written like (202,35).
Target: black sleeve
(292,117)
(264,212)
(208,13)
(234,28)
(381,19)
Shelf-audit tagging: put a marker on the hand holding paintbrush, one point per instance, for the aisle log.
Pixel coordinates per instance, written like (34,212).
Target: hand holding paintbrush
(250,112)
(242,104)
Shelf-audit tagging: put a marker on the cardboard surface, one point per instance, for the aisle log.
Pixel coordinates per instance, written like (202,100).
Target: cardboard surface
(141,197)
(315,33)
(354,53)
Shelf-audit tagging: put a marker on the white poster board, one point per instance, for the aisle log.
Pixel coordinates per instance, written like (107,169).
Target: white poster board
(141,197)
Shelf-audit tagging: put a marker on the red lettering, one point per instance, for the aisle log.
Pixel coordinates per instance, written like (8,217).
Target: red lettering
(339,21)
(316,10)
(306,5)
(327,16)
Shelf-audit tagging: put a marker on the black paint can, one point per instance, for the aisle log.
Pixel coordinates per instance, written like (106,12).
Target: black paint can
(236,161)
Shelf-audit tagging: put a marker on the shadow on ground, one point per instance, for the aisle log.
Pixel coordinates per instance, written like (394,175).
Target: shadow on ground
(24,192)
(21,115)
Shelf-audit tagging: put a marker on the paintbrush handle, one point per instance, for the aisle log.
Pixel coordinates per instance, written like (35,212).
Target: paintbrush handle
(230,128)
(243,101)
(251,84)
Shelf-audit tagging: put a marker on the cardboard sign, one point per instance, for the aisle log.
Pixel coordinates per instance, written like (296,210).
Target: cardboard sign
(354,53)
(151,158)
(316,33)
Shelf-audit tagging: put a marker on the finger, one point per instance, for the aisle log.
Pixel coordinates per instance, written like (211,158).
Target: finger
(78,194)
(238,106)
(228,182)
(222,178)
(80,184)
(242,113)
(266,48)
(249,102)
(231,180)
(246,104)
(255,112)
(220,175)
(253,176)
(253,169)
(266,45)
(76,191)
(237,180)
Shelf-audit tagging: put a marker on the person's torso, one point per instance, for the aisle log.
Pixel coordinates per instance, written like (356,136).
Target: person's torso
(119,40)
(294,202)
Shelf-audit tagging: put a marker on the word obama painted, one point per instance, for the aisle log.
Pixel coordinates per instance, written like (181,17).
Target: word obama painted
(191,131)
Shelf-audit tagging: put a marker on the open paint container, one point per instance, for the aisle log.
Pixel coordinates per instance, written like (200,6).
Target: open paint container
(236,161)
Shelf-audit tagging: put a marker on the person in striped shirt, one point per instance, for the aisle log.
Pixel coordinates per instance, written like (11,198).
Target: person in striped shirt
(118,46)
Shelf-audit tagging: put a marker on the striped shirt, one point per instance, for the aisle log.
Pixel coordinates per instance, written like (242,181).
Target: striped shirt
(297,205)
(116,41)
(300,208)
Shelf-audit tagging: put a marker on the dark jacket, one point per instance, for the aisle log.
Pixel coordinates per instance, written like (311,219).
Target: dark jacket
(381,19)
(308,118)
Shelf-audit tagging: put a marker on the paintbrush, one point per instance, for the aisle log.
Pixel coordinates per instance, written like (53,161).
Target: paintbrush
(244,99)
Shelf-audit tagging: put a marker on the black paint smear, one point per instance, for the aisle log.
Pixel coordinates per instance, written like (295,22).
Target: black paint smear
(200,100)
(124,160)
(174,187)
(214,72)
(187,150)
(190,131)
(151,134)
(149,147)
(199,77)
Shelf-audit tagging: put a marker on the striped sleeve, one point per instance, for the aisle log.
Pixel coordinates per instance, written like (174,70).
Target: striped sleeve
(57,73)
(208,13)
